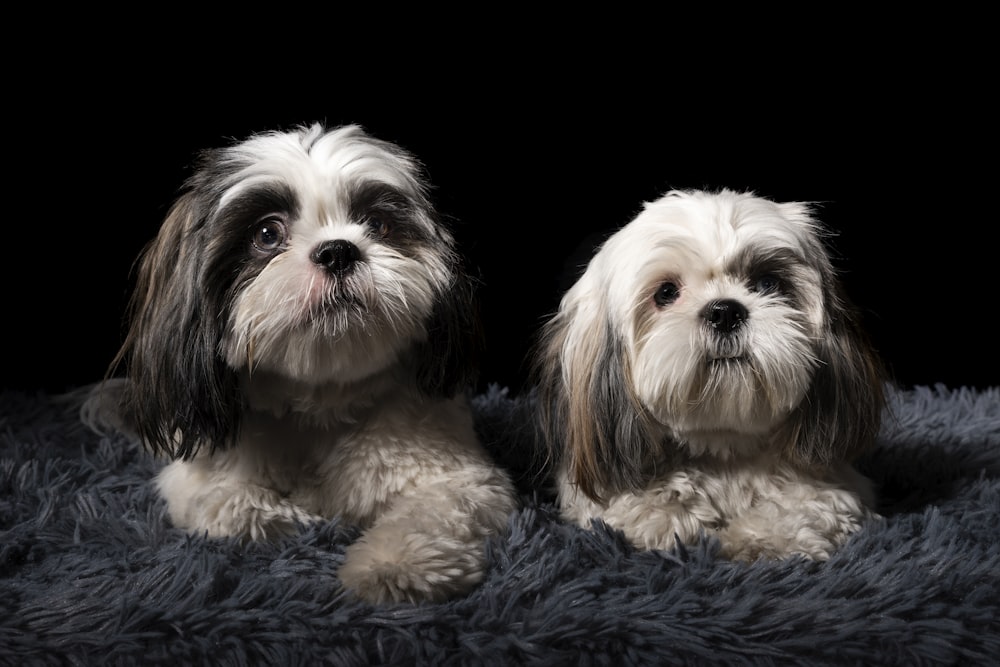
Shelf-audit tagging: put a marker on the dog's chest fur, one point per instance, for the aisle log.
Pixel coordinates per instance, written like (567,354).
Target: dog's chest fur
(337,456)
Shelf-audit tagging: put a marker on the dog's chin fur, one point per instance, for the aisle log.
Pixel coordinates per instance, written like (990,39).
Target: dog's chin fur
(707,375)
(302,335)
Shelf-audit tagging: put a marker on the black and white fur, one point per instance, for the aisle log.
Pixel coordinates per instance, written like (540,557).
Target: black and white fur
(302,337)
(707,375)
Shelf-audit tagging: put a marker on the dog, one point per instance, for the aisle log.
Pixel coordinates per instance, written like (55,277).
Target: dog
(302,338)
(707,376)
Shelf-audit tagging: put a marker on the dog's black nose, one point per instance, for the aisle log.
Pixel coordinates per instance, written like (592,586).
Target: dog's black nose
(336,256)
(725,316)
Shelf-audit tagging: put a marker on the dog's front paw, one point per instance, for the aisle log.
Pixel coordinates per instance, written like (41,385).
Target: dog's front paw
(813,535)
(749,548)
(247,511)
(270,520)
(391,567)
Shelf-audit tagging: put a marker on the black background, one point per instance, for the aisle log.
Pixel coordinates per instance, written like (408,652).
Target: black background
(535,162)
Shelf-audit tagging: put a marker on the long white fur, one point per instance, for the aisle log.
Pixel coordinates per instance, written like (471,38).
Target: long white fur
(669,431)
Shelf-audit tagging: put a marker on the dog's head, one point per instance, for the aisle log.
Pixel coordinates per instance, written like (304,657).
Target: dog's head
(314,255)
(714,321)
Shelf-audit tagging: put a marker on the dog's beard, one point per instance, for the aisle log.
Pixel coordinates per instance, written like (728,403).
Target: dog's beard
(708,388)
(310,325)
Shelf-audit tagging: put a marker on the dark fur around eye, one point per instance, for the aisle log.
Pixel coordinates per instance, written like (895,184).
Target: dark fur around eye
(256,204)
(767,283)
(388,213)
(771,271)
(255,226)
(379,222)
(260,218)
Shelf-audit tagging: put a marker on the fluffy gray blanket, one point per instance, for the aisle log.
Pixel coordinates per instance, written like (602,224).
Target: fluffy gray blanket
(92,573)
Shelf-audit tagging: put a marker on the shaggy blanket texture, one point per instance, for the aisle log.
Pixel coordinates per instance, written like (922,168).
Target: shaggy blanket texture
(91,572)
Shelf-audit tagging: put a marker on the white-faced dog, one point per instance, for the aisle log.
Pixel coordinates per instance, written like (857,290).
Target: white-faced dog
(707,375)
(302,335)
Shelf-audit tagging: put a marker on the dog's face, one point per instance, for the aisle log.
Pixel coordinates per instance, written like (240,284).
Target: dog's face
(713,321)
(313,254)
(717,311)
(333,258)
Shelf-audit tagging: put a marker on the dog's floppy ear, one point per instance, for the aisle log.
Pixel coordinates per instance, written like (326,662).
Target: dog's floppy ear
(180,394)
(588,412)
(841,414)
(448,360)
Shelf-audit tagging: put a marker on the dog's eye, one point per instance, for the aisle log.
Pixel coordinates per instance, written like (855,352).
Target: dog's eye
(269,234)
(766,284)
(379,224)
(666,294)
